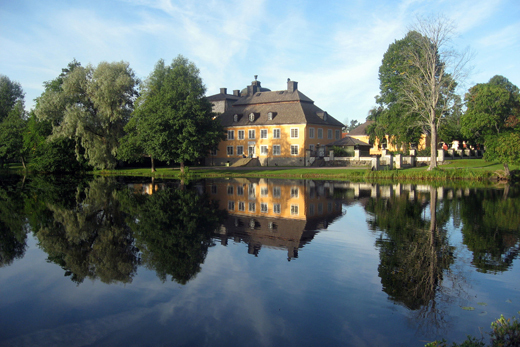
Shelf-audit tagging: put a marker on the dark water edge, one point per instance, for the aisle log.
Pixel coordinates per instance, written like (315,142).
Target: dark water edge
(118,261)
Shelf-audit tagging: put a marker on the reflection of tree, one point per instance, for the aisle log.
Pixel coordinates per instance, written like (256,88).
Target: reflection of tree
(491,228)
(90,239)
(13,233)
(414,252)
(173,229)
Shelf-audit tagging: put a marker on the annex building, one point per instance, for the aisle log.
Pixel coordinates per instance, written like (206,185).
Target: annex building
(274,127)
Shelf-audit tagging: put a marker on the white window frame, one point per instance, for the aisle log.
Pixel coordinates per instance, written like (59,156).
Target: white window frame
(230,190)
(294,210)
(311,133)
(263,133)
(241,206)
(277,150)
(251,117)
(293,147)
(252,207)
(264,150)
(229,150)
(240,190)
(277,208)
(264,207)
(277,133)
(240,150)
(264,192)
(251,132)
(231,134)
(241,135)
(277,192)
(231,205)
(294,133)
(329,134)
(294,192)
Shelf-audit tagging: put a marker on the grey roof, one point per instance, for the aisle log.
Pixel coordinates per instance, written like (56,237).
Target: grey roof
(361,129)
(287,108)
(349,141)
(220,96)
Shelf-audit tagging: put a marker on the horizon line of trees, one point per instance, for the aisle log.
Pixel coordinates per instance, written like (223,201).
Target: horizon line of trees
(419,77)
(102,116)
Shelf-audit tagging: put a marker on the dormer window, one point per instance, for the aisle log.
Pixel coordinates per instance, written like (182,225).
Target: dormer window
(235,118)
(270,116)
(251,117)
(325,117)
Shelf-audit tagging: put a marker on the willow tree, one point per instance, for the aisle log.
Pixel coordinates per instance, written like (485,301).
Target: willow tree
(91,105)
(173,121)
(439,68)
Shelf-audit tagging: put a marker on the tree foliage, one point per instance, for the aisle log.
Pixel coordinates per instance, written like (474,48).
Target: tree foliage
(11,96)
(92,106)
(172,120)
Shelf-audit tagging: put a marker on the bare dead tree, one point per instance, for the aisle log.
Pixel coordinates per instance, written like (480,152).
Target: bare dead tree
(440,68)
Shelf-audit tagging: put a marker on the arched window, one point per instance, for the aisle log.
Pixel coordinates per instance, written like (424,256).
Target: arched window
(235,118)
(251,117)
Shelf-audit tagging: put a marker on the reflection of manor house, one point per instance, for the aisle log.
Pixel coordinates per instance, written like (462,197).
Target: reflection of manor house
(273,213)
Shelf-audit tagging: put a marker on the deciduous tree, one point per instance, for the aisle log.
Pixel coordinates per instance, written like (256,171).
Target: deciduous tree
(172,120)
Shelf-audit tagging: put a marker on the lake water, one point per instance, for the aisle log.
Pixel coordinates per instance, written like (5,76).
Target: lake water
(256,262)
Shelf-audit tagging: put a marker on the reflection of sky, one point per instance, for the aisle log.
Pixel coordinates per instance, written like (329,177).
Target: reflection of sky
(330,295)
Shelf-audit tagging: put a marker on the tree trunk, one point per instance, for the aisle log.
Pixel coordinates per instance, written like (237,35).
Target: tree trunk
(182,167)
(23,163)
(506,170)
(153,164)
(433,146)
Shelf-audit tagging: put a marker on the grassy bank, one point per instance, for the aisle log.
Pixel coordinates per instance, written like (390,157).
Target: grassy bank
(456,170)
(464,169)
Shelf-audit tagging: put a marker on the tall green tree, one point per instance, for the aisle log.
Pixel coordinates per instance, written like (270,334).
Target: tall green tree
(172,120)
(11,120)
(438,67)
(493,117)
(393,117)
(92,106)
(11,96)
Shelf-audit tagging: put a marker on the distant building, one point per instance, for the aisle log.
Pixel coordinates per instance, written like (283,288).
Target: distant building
(274,127)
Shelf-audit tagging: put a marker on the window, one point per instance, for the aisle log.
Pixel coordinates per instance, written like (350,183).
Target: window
(251,117)
(294,192)
(235,118)
(230,190)
(294,133)
(276,133)
(230,134)
(263,207)
(338,135)
(329,134)
(263,133)
(311,133)
(229,150)
(231,205)
(241,135)
(240,150)
(277,150)
(320,208)
(240,190)
(294,149)
(252,191)
(277,208)
(270,116)
(252,207)
(263,150)
(251,134)
(294,209)
(264,191)
(241,206)
(277,192)
(320,133)
(311,210)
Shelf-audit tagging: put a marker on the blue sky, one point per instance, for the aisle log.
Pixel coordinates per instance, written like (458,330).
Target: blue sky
(332,48)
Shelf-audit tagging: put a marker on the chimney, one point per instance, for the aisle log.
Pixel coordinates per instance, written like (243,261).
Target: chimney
(236,92)
(223,90)
(292,86)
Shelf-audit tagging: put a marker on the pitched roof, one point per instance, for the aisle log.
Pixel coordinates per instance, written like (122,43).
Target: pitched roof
(220,96)
(349,141)
(361,129)
(287,107)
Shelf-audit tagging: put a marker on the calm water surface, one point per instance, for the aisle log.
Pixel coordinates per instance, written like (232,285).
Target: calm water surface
(105,261)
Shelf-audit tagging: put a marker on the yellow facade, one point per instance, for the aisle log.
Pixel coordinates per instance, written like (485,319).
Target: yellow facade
(376,149)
